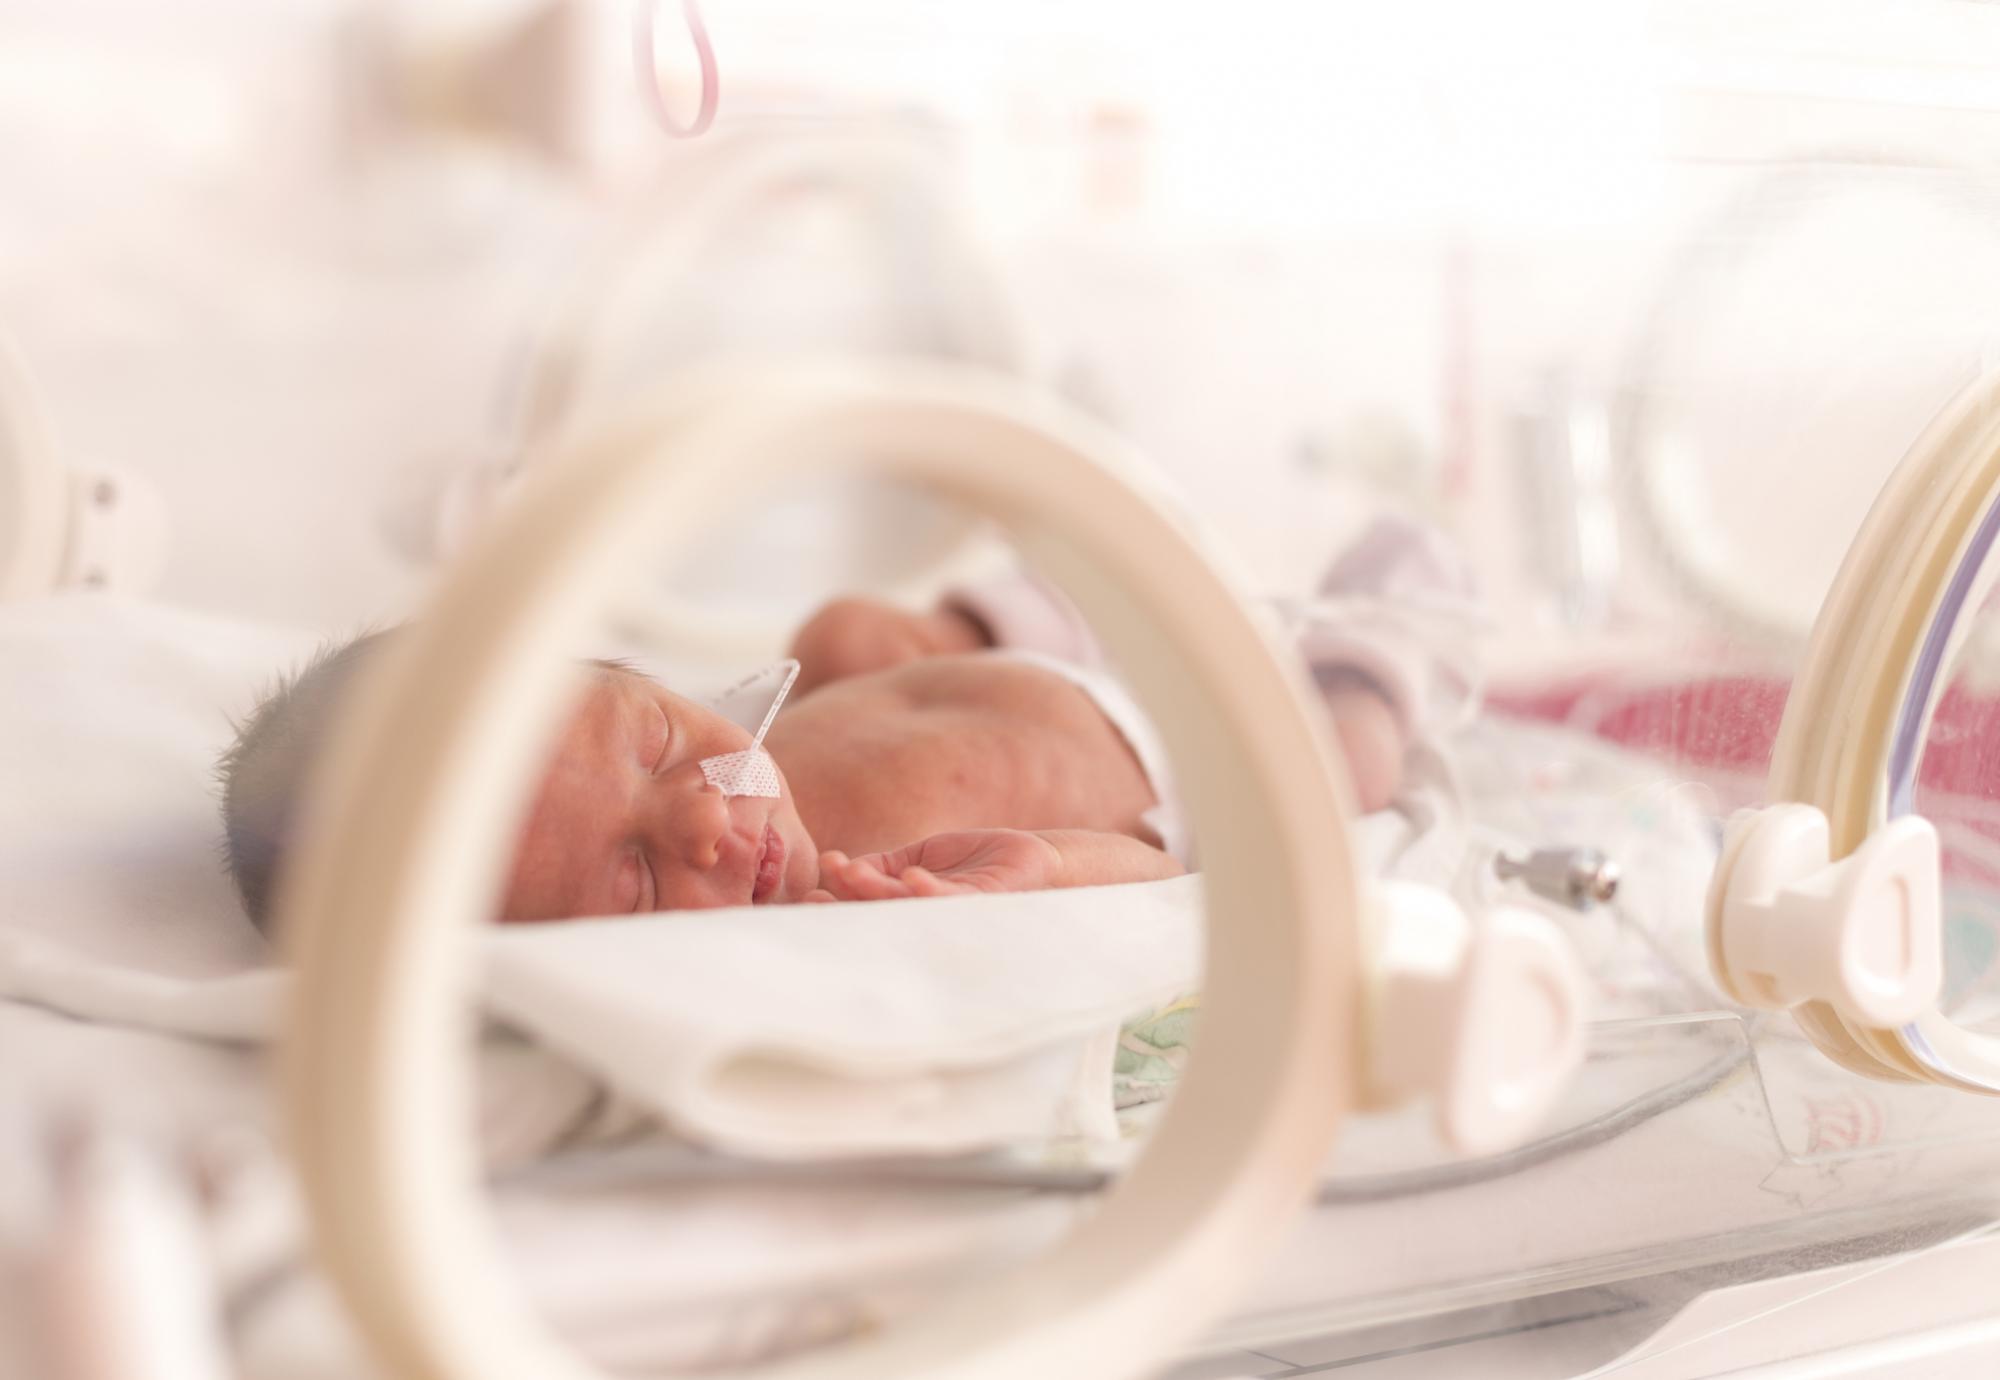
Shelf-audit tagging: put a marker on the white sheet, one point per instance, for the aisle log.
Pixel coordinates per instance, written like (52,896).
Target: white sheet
(112,715)
(928,1026)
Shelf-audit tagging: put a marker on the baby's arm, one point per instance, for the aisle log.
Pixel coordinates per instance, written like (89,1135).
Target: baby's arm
(1372,738)
(992,860)
(852,637)
(1386,686)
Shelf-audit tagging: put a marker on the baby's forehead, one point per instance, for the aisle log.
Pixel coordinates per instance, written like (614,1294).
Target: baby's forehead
(624,680)
(611,706)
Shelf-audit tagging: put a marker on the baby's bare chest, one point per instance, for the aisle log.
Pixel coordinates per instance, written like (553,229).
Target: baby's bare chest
(956,743)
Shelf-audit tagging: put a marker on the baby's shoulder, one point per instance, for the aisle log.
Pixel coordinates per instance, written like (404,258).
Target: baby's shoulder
(971,700)
(991,681)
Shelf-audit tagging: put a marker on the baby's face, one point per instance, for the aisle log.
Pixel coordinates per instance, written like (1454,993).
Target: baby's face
(625,822)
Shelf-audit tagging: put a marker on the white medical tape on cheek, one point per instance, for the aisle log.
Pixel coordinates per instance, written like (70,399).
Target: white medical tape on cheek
(751,771)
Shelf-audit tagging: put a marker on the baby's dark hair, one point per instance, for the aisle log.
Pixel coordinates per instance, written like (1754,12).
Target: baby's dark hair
(263,773)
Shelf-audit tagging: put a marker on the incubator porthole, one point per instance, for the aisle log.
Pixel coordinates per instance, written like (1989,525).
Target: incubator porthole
(772,247)
(961,435)
(1946,769)
(1727,417)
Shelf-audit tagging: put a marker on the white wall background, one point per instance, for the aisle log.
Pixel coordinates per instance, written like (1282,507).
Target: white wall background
(1311,258)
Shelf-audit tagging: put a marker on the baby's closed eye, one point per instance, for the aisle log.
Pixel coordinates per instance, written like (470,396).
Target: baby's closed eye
(659,739)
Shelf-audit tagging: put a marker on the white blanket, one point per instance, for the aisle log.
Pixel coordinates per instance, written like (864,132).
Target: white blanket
(928,1026)
(918,1026)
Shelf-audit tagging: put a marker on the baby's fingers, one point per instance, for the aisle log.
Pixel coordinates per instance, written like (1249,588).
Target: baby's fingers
(837,877)
(926,883)
(857,879)
(874,883)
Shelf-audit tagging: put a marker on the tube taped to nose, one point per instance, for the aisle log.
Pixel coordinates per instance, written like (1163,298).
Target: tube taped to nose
(752,703)
(750,772)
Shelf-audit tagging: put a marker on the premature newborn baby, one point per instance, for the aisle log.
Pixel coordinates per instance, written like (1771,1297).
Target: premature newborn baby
(916,757)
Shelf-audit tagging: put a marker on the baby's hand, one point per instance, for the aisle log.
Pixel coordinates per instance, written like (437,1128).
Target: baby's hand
(1371,739)
(942,865)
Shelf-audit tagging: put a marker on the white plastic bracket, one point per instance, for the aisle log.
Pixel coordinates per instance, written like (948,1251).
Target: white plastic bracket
(117,532)
(1483,1017)
(1787,924)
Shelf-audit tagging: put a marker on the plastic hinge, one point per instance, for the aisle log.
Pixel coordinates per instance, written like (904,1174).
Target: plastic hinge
(1483,1017)
(1787,924)
(118,532)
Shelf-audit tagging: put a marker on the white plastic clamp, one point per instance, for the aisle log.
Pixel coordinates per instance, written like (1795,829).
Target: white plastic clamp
(118,532)
(1484,1017)
(1787,924)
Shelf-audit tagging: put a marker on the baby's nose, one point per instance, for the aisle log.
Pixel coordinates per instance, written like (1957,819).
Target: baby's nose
(707,815)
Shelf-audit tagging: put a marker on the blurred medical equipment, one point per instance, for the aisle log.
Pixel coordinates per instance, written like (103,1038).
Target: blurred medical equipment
(509,75)
(668,292)
(127,1242)
(62,527)
(1574,877)
(751,703)
(1652,495)
(645,66)
(1834,906)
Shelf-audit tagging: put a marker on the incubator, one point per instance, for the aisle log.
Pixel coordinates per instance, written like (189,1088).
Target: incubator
(1649,1031)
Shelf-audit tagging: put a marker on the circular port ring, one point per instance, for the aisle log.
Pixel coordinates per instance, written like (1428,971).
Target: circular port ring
(887,177)
(1850,742)
(432,761)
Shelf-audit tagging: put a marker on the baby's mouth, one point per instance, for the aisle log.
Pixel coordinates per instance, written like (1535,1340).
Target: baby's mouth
(770,867)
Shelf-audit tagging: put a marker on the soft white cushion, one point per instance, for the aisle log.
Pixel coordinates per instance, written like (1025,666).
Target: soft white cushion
(120,932)
(112,715)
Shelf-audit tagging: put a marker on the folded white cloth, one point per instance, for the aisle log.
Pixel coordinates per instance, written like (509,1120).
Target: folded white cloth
(923,1026)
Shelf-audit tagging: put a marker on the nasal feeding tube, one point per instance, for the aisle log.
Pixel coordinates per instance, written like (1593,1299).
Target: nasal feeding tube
(751,771)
